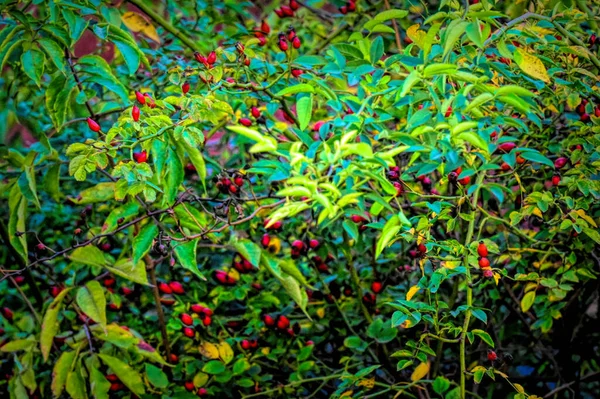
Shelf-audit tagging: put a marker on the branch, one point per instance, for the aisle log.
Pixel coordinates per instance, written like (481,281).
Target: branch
(565,386)
(395,25)
(159,311)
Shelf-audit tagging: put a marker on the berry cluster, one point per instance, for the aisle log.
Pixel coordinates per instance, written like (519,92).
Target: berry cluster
(349,7)
(393,175)
(584,107)
(208,61)
(287,11)
(282,324)
(230,184)
(290,37)
(484,262)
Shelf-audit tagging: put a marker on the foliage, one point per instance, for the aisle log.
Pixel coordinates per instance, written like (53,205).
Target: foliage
(215,198)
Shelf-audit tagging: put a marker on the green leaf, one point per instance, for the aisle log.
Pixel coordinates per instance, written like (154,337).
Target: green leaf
(55,52)
(474,34)
(32,62)
(474,139)
(129,53)
(440,385)
(412,79)
(527,301)
(126,374)
(186,255)
(390,14)
(240,366)
(479,101)
(304,108)
(18,345)
(143,241)
(16,222)
(156,376)
(299,88)
(174,177)
(92,302)
(376,50)
(593,234)
(94,68)
(485,337)
(61,370)
(264,143)
(50,324)
(248,250)
(126,268)
(214,367)
(76,385)
(535,156)
(89,255)
(197,160)
(99,384)
(390,229)
(453,32)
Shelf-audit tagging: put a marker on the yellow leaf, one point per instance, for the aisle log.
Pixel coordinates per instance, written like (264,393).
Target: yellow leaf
(416,35)
(234,274)
(478,368)
(225,352)
(209,350)
(451,264)
(137,23)
(531,65)
(321,313)
(411,292)
(347,394)
(501,374)
(274,245)
(530,286)
(420,372)
(497,277)
(519,388)
(200,379)
(537,212)
(588,219)
(369,383)
(407,324)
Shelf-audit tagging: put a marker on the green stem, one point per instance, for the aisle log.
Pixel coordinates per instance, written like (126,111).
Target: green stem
(165,24)
(463,334)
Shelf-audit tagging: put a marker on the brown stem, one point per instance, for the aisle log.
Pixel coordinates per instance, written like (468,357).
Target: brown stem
(79,85)
(395,25)
(159,310)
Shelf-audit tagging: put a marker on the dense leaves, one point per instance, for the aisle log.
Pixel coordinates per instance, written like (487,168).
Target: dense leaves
(316,199)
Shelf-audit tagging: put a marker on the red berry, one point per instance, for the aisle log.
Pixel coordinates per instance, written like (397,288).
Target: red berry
(116,386)
(126,291)
(176,287)
(93,125)
(585,117)
(287,11)
(294,5)
(269,320)
(185,88)
(344,10)
(197,308)
(555,180)
(464,181)
(164,288)
(255,112)
(507,147)
(212,58)
(484,262)
(313,243)
(488,273)
(261,42)
(296,42)
(597,111)
(351,5)
(186,319)
(283,322)
(173,358)
(377,287)
(245,344)
(141,156)
(560,162)
(279,13)
(233,189)
(297,72)
(593,39)
(200,58)
(448,112)
(140,98)
(265,28)
(7,313)
(309,343)
(55,290)
(112,378)
(135,113)
(109,282)
(283,46)
(482,249)
(246,122)
(207,321)
(357,219)
(399,188)
(298,245)
(202,392)
(265,240)
(422,248)
(369,298)
(492,356)
(189,385)
(505,167)
(189,332)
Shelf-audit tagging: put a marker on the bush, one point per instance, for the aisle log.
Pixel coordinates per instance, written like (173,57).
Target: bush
(354,199)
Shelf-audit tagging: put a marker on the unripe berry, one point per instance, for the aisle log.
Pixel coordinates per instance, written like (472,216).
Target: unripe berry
(93,125)
(140,98)
(135,113)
